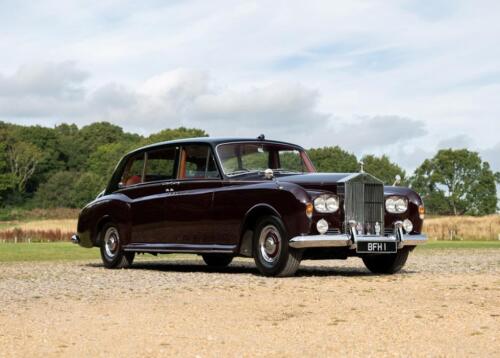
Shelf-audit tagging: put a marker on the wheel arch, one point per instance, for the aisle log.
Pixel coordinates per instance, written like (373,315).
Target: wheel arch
(250,220)
(96,237)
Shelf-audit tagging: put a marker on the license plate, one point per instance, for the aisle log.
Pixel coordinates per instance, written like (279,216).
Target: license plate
(376,247)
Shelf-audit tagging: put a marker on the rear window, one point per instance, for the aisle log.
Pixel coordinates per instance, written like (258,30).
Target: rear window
(133,171)
(160,164)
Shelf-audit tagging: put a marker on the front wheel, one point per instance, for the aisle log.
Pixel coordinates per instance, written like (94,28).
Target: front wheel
(387,263)
(271,252)
(112,254)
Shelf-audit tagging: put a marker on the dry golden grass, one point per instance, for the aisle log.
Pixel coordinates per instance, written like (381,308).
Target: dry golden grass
(64,225)
(39,230)
(463,227)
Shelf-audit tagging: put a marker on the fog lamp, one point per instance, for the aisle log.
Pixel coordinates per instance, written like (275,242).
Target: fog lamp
(322,226)
(408,226)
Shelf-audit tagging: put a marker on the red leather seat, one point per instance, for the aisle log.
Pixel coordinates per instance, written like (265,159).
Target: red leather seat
(134,179)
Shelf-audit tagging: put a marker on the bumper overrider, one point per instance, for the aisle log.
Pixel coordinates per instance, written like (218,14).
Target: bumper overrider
(75,239)
(351,239)
(82,239)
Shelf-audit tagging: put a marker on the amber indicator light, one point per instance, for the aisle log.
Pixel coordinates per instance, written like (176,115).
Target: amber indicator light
(421,211)
(309,209)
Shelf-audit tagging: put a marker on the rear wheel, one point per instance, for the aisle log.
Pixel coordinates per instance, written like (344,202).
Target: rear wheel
(217,260)
(271,252)
(387,263)
(112,254)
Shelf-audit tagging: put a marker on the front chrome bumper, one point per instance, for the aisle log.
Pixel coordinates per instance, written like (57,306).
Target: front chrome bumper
(350,240)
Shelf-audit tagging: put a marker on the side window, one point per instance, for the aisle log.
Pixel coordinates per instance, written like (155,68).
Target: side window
(133,170)
(160,164)
(197,162)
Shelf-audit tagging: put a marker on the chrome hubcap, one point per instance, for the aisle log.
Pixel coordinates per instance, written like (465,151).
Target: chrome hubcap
(270,243)
(111,240)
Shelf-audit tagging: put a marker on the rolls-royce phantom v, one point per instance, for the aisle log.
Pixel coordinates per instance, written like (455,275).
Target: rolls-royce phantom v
(222,198)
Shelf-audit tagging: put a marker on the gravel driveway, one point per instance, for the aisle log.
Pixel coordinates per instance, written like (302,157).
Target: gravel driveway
(445,303)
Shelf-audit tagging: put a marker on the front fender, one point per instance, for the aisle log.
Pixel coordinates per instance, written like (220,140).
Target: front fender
(114,208)
(414,201)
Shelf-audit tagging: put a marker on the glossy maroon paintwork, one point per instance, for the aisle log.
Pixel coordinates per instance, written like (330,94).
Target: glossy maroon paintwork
(215,213)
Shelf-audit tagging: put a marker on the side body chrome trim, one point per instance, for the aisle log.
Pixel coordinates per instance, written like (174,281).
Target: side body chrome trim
(188,248)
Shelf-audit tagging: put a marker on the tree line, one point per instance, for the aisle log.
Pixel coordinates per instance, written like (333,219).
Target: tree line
(66,166)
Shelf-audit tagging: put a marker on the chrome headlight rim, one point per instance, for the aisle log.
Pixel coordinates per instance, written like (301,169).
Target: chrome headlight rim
(326,203)
(396,204)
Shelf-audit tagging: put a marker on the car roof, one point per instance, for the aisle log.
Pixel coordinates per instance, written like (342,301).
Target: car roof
(214,141)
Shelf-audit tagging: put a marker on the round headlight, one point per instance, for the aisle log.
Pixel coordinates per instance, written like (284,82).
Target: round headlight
(332,204)
(320,204)
(389,205)
(408,226)
(401,205)
(322,226)
(326,203)
(396,204)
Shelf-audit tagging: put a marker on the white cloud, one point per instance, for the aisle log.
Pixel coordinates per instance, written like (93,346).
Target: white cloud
(367,133)
(54,80)
(456,142)
(492,156)
(316,73)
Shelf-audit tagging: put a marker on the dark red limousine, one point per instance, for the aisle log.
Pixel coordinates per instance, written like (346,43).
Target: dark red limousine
(259,198)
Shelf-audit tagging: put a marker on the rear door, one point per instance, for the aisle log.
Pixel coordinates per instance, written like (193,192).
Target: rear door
(145,180)
(189,209)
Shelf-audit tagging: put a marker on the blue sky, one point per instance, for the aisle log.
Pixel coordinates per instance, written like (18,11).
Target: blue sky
(403,78)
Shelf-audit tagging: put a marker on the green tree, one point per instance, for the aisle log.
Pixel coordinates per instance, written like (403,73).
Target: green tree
(456,182)
(49,159)
(89,138)
(333,159)
(7,180)
(68,189)
(22,159)
(382,168)
(172,134)
(103,161)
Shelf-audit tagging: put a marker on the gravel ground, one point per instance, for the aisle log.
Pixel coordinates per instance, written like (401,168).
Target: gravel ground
(444,303)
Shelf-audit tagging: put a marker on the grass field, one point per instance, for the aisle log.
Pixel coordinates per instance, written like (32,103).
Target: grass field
(459,245)
(55,251)
(63,251)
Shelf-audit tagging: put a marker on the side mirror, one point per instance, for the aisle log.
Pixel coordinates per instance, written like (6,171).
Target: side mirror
(121,185)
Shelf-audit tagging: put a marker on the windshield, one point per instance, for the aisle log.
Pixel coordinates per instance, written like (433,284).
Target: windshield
(241,158)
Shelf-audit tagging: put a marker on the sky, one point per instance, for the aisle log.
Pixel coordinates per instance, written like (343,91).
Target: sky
(402,78)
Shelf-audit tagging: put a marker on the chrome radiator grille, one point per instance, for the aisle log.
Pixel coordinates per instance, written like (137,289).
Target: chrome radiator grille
(364,203)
